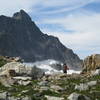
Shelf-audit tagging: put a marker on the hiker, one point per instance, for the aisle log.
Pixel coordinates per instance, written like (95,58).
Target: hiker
(43,74)
(65,68)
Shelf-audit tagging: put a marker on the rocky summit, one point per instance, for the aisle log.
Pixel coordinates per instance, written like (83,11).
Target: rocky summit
(19,36)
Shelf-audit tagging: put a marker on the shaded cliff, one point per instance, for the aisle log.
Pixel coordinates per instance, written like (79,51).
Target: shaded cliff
(19,36)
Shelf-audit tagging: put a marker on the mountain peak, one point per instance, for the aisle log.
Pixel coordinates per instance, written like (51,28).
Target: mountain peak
(19,36)
(22,15)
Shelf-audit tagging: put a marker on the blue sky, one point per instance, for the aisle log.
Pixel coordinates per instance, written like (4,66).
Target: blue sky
(75,22)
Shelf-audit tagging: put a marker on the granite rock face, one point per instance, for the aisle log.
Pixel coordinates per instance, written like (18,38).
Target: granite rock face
(20,37)
(91,63)
(20,69)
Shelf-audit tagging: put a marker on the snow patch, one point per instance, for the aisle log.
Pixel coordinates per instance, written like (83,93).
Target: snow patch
(48,69)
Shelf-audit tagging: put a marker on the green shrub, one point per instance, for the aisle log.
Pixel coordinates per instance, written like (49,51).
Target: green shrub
(2,62)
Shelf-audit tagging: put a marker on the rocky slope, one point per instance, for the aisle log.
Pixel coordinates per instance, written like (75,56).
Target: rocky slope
(19,36)
(49,87)
(20,82)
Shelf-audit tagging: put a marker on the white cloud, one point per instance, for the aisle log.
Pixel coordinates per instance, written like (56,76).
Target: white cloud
(69,5)
(51,3)
(85,35)
(11,6)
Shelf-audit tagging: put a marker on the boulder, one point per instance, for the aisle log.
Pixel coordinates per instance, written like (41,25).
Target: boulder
(56,88)
(26,98)
(7,81)
(17,98)
(3,95)
(7,96)
(76,96)
(22,78)
(97,72)
(13,98)
(54,98)
(43,88)
(85,86)
(43,83)
(82,87)
(91,83)
(36,72)
(24,82)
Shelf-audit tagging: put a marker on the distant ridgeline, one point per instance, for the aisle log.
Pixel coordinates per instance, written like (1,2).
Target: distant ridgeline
(19,36)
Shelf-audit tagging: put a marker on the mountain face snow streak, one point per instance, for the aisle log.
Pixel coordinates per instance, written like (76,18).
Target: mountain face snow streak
(19,36)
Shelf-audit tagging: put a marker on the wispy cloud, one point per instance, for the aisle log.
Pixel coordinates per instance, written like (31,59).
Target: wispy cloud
(11,6)
(84,35)
(64,5)
(41,5)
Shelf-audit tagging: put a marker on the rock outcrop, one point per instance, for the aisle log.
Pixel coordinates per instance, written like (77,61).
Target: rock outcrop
(91,63)
(18,73)
(19,36)
(5,59)
(20,70)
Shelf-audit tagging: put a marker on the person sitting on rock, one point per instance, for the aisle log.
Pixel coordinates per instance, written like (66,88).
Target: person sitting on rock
(65,68)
